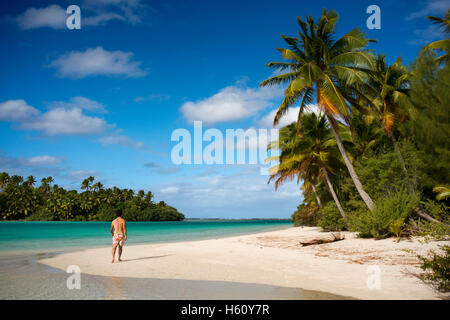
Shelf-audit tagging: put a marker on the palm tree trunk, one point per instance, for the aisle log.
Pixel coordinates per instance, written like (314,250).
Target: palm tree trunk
(317,196)
(366,198)
(335,198)
(402,161)
(399,154)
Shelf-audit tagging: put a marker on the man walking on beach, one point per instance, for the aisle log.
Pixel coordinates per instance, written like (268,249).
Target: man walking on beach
(119,234)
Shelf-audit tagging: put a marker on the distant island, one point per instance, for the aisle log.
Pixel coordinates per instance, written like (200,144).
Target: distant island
(21,200)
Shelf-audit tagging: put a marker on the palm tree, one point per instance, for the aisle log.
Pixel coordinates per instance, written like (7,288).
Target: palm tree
(329,69)
(16,180)
(4,179)
(45,185)
(149,197)
(309,186)
(365,135)
(310,157)
(443,45)
(97,186)
(87,183)
(390,88)
(30,181)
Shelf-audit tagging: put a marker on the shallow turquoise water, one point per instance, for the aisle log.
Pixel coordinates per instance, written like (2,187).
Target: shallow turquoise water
(23,277)
(23,236)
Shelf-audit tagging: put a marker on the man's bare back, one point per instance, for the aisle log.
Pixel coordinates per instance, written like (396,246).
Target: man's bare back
(118,225)
(119,234)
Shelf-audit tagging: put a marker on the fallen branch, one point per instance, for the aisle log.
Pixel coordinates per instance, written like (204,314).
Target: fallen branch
(423,214)
(334,238)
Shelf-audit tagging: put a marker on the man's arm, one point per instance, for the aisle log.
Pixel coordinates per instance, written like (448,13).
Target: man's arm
(125,229)
(112,227)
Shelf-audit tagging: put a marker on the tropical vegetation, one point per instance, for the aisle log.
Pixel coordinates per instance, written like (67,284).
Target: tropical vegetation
(21,200)
(374,159)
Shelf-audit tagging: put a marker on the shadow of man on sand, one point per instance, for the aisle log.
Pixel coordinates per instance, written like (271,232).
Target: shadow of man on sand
(146,258)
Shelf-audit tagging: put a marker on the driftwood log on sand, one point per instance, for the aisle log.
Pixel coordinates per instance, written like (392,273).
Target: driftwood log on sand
(332,237)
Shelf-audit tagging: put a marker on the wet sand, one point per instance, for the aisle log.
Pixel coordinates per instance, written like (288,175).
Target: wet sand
(23,277)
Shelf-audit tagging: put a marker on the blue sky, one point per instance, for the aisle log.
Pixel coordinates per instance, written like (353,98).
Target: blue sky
(104,100)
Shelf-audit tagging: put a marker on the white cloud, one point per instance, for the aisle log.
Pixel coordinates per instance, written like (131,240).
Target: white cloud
(161,169)
(66,118)
(290,117)
(38,166)
(94,13)
(16,110)
(53,16)
(230,104)
(97,61)
(125,10)
(81,103)
(101,19)
(425,36)
(431,7)
(43,161)
(121,140)
(79,175)
(152,97)
(243,194)
(61,121)
(172,189)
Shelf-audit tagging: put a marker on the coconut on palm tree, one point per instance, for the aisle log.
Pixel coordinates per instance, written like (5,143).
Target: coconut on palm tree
(317,65)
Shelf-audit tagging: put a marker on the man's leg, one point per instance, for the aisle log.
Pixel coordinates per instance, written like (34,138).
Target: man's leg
(120,252)
(113,252)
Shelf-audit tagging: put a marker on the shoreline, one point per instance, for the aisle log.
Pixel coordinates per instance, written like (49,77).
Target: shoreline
(23,277)
(269,258)
(67,249)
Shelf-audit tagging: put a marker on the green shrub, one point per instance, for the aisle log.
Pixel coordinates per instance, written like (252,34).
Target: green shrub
(331,219)
(41,215)
(379,223)
(78,218)
(131,214)
(437,210)
(160,213)
(105,212)
(430,230)
(306,215)
(437,269)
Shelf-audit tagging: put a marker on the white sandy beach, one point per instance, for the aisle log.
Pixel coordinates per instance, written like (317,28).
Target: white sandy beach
(273,258)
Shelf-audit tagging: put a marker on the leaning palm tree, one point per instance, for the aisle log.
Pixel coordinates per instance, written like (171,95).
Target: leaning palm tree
(390,87)
(443,45)
(310,157)
(310,186)
(318,65)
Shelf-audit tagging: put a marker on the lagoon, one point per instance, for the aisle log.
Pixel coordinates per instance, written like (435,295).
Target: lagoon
(57,235)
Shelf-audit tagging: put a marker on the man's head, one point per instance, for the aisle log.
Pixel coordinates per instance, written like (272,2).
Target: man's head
(119,213)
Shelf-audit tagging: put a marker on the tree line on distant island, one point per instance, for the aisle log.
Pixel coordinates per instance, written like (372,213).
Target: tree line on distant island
(20,199)
(376,158)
